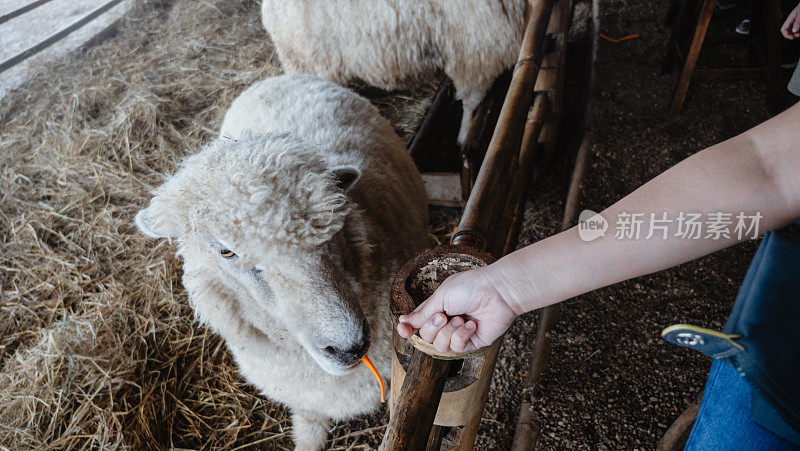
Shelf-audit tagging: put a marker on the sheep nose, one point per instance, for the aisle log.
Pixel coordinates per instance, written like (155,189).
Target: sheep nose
(349,356)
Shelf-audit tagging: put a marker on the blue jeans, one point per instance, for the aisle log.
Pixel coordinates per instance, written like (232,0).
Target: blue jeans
(723,422)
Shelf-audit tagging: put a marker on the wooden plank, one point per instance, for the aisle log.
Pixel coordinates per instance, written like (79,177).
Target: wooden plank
(443,188)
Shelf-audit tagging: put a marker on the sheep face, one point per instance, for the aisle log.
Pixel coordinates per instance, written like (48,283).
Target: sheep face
(308,293)
(261,220)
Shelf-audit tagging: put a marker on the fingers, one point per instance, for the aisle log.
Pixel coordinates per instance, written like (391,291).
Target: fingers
(405,330)
(786,32)
(442,340)
(461,338)
(423,312)
(455,335)
(791,27)
(431,327)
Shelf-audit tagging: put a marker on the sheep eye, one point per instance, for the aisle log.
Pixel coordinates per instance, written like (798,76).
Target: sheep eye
(227,253)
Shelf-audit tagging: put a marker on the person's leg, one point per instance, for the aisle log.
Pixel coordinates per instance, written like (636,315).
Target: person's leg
(723,422)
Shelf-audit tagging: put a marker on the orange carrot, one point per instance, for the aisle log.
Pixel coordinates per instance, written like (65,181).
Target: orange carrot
(374,370)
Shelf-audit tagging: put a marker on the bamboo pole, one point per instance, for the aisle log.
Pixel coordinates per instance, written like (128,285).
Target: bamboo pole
(415,410)
(412,417)
(526,435)
(527,431)
(483,224)
(484,121)
(489,196)
(529,154)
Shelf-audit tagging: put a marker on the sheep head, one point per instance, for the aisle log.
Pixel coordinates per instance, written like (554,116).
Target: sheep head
(263,215)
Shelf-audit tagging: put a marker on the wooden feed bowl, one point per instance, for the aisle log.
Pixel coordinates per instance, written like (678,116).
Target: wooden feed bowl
(414,283)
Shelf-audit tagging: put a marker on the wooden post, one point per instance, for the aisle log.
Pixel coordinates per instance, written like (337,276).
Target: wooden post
(416,404)
(691,57)
(525,439)
(678,434)
(412,417)
(527,432)
(489,196)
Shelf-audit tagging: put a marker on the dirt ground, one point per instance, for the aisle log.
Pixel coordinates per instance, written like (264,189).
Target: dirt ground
(97,344)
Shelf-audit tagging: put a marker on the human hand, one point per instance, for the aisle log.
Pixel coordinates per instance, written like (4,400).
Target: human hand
(791,27)
(479,314)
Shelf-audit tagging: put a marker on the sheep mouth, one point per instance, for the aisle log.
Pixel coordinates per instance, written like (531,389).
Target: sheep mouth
(335,368)
(337,361)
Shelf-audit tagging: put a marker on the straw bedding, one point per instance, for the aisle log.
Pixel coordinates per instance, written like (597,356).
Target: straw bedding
(98,346)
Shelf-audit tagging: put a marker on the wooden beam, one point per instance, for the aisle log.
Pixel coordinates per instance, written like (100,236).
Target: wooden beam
(412,417)
(692,55)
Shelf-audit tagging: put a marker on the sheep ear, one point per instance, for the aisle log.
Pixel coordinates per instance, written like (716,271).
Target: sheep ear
(345,176)
(155,227)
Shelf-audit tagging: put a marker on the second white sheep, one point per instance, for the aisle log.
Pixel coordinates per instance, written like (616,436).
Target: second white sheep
(391,44)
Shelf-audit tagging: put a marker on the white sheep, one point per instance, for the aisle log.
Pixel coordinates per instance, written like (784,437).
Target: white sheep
(291,226)
(390,43)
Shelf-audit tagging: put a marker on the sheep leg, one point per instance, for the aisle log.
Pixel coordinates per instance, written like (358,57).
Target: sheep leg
(471,97)
(309,431)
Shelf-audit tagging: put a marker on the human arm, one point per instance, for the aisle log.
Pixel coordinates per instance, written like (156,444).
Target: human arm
(755,172)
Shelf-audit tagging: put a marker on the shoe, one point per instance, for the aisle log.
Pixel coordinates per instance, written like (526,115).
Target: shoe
(743,28)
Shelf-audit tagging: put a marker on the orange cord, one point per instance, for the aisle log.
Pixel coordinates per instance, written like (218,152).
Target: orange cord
(374,370)
(616,40)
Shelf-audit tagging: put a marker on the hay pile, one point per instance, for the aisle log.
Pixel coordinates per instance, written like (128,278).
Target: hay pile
(98,347)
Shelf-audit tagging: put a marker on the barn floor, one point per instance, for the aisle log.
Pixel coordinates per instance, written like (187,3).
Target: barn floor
(97,344)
